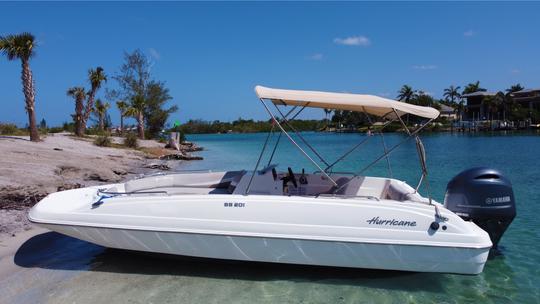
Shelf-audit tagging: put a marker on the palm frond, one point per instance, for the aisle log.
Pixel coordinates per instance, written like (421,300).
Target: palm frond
(18,46)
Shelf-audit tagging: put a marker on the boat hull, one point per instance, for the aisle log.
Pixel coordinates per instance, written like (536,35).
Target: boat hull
(417,258)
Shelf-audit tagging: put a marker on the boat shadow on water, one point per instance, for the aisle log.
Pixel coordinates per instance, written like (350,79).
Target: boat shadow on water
(55,251)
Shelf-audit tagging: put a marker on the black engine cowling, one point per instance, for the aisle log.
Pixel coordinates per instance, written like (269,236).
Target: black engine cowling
(484,196)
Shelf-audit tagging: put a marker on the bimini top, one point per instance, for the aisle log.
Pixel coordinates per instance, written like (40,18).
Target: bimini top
(370,104)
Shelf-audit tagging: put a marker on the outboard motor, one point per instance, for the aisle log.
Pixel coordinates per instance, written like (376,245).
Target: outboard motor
(484,196)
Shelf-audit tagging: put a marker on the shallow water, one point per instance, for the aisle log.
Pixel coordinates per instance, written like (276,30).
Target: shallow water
(509,277)
(52,268)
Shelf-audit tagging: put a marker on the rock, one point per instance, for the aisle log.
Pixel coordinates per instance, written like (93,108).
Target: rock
(157,166)
(180,156)
(62,170)
(69,186)
(119,171)
(190,148)
(95,177)
(19,198)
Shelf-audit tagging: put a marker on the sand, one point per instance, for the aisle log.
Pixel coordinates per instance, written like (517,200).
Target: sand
(29,171)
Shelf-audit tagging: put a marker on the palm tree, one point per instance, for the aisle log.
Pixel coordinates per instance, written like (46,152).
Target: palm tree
(406,94)
(502,103)
(21,47)
(101,110)
(122,107)
(509,99)
(79,94)
(452,93)
(514,88)
(326,113)
(473,87)
(492,106)
(96,78)
(136,110)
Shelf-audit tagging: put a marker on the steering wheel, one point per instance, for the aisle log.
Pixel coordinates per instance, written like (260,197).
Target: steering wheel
(292,178)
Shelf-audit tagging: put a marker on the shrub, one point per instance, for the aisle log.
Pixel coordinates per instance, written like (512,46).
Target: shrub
(56,129)
(131,141)
(9,129)
(103,141)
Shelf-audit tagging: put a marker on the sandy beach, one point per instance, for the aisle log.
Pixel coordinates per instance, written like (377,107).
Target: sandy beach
(32,170)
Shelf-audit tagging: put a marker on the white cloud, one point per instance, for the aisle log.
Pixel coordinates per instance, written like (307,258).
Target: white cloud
(154,53)
(353,40)
(317,56)
(469,33)
(425,67)
(515,71)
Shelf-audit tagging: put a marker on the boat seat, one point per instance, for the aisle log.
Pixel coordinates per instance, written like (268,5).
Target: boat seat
(188,180)
(360,186)
(400,191)
(234,182)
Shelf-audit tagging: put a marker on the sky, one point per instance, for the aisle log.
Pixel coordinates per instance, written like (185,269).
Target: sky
(212,54)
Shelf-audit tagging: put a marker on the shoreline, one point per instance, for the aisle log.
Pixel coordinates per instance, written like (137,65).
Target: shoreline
(445,130)
(30,171)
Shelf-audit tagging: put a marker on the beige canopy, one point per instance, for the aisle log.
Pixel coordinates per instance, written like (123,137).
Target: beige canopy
(370,104)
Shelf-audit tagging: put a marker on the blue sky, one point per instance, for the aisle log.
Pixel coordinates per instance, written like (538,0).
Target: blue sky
(211,55)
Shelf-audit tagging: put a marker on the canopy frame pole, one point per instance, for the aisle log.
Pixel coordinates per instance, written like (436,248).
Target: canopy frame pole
(300,136)
(258,161)
(385,154)
(402,123)
(279,136)
(274,150)
(423,165)
(295,143)
(422,156)
(353,148)
(383,142)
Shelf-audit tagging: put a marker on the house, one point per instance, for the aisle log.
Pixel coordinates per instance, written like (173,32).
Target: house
(447,112)
(528,98)
(476,109)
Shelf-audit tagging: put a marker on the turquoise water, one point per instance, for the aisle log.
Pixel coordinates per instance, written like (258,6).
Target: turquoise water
(511,277)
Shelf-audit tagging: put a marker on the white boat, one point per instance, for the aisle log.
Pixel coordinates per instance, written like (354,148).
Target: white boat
(321,218)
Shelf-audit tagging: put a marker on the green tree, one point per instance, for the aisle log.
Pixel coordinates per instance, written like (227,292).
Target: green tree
(406,94)
(515,108)
(492,105)
(21,46)
(515,88)
(452,94)
(326,113)
(96,77)
(101,111)
(122,107)
(147,97)
(156,111)
(43,124)
(460,108)
(136,109)
(79,94)
(423,99)
(473,87)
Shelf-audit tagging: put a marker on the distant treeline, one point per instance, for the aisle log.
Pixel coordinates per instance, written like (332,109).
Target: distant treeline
(245,126)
